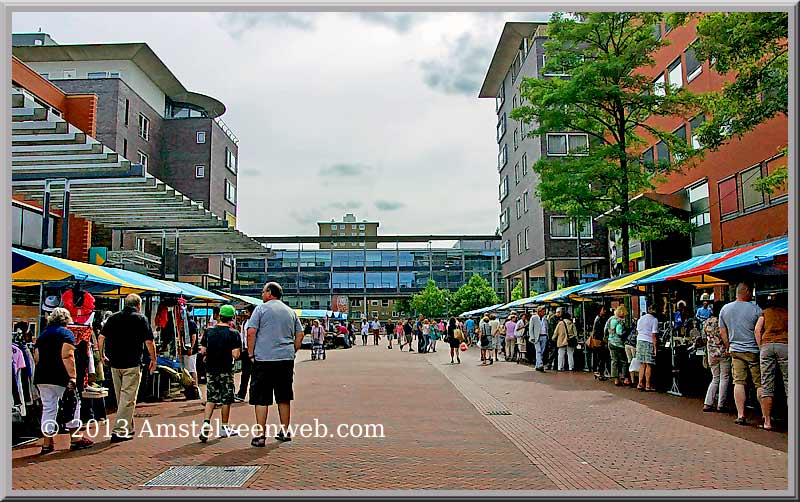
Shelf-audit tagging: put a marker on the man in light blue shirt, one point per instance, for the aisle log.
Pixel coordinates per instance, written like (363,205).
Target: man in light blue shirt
(703,313)
(470,328)
(275,334)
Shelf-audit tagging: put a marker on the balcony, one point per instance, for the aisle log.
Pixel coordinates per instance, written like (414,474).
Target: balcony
(127,257)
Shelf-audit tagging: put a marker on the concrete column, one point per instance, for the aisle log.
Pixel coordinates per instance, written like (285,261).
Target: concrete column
(508,289)
(550,275)
(526,283)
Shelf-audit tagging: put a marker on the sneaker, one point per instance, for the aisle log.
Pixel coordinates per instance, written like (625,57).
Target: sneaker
(204,432)
(283,437)
(227,432)
(119,439)
(238,399)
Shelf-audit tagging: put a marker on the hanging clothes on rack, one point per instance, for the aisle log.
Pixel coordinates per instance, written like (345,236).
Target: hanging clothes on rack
(79,303)
(18,365)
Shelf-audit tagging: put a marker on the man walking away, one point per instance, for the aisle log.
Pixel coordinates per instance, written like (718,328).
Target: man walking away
(497,336)
(390,332)
(469,331)
(120,344)
(190,356)
(408,331)
(220,347)
(247,365)
(737,323)
(540,340)
(274,333)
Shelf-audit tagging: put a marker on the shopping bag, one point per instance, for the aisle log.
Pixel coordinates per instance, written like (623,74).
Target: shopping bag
(635,364)
(463,347)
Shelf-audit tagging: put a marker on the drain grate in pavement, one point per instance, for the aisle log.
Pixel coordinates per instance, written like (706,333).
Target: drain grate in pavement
(498,412)
(143,415)
(204,476)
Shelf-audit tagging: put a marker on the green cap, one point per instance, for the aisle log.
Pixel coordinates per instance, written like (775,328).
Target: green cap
(227,311)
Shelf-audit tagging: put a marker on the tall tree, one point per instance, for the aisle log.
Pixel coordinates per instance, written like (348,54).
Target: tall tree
(517,292)
(752,48)
(431,301)
(606,97)
(474,294)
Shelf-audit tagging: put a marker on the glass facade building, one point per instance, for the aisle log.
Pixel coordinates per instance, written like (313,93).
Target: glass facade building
(310,279)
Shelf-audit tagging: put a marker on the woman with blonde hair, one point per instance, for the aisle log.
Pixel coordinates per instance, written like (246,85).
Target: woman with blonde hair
(616,345)
(55,376)
(487,340)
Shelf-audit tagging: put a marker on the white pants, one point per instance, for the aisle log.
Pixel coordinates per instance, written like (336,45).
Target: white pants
(190,363)
(50,395)
(720,382)
(566,352)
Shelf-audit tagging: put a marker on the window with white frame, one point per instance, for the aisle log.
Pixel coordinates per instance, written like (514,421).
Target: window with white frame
(114,74)
(524,164)
(334,227)
(504,251)
(45,76)
(384,303)
(527,241)
(693,66)
(141,157)
(230,192)
(694,125)
(552,72)
(201,137)
(564,227)
(97,74)
(140,244)
(230,160)
(516,139)
(659,86)
(362,227)
(374,304)
(522,129)
(516,173)
(70,73)
(144,127)
(501,127)
(525,201)
(519,208)
(519,243)
(501,97)
(675,74)
(504,219)
(562,144)
(502,157)
(503,187)
(199,171)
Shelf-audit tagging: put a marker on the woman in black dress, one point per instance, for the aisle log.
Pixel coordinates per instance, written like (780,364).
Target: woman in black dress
(455,343)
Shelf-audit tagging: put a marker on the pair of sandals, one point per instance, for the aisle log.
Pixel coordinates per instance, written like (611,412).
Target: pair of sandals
(80,444)
(261,441)
(646,389)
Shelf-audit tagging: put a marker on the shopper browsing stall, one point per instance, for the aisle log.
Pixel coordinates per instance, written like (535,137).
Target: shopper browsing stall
(772,333)
(646,347)
(719,362)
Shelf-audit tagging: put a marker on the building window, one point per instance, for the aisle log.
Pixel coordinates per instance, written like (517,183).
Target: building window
(648,159)
(502,157)
(564,227)
(355,302)
(525,201)
(114,74)
(519,208)
(354,226)
(514,102)
(45,75)
(695,124)
(662,153)
(516,139)
(127,109)
(199,171)
(334,227)
(501,97)
(772,165)
(97,74)
(230,192)
(504,219)
(374,303)
(693,66)
(524,164)
(519,243)
(124,148)
(70,73)
(527,241)
(336,244)
(362,227)
(504,251)
(201,137)
(750,196)
(140,244)
(659,86)
(144,127)
(384,303)
(516,173)
(728,197)
(561,144)
(501,127)
(142,159)
(230,160)
(362,234)
(552,72)
(676,74)
(657,31)
(681,134)
(503,187)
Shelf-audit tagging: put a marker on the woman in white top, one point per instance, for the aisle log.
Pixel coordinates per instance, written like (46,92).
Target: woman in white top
(317,333)
(364,331)
(646,345)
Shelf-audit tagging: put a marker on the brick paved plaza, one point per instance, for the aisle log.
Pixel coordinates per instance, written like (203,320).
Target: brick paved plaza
(552,431)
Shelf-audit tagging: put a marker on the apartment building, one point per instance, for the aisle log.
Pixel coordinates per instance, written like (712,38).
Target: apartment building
(348,227)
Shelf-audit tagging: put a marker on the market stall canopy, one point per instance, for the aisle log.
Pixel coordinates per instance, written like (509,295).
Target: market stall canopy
(699,274)
(144,280)
(760,255)
(29,269)
(319,314)
(196,292)
(249,300)
(625,283)
(482,310)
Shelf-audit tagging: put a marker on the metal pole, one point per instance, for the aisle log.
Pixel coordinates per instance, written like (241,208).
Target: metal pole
(65,221)
(365,280)
(163,271)
(177,255)
(46,215)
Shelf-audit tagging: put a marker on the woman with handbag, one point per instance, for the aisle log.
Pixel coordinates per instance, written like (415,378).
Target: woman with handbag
(596,344)
(55,378)
(616,345)
(566,338)
(487,341)
(455,336)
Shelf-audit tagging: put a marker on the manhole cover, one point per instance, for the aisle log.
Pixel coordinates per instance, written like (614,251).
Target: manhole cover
(204,476)
(498,412)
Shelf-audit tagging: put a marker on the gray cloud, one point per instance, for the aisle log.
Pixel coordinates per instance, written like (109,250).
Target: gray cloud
(462,70)
(308,216)
(399,22)
(249,171)
(388,205)
(338,170)
(349,204)
(239,23)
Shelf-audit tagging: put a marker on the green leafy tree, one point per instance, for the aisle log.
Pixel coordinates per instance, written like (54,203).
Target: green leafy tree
(431,301)
(752,48)
(517,292)
(474,294)
(403,306)
(606,97)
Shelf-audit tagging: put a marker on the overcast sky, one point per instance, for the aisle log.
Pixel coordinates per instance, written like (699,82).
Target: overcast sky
(371,113)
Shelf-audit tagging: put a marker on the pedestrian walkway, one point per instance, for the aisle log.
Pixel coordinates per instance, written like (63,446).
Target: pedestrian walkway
(591,438)
(445,427)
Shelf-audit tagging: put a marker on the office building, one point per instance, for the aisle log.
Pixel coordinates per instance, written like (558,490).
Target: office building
(539,247)
(348,227)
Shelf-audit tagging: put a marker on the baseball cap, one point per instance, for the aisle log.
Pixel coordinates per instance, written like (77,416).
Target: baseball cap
(51,303)
(227,311)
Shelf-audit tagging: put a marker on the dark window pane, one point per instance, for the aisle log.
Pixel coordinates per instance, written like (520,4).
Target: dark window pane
(728,198)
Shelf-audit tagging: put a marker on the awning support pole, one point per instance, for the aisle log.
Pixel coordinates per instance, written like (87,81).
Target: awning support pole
(65,221)
(163,254)
(46,215)
(177,254)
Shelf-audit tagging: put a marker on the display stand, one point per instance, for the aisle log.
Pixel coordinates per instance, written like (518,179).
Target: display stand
(675,390)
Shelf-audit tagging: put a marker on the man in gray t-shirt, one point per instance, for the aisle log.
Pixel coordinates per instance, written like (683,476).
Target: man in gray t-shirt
(737,323)
(274,334)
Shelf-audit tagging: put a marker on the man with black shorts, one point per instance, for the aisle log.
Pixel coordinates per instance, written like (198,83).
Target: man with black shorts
(274,335)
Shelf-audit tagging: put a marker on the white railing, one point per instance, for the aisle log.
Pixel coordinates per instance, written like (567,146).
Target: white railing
(227,130)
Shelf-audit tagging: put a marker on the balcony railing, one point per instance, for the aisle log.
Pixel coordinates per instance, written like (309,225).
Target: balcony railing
(227,130)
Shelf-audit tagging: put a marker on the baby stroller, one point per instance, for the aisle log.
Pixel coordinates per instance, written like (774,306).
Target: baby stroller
(318,349)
